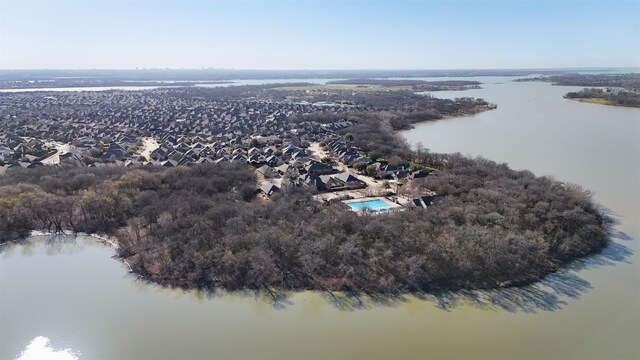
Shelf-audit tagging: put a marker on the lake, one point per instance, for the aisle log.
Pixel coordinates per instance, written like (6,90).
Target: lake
(72,292)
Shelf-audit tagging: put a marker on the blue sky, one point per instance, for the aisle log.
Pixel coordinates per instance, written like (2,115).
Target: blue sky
(426,34)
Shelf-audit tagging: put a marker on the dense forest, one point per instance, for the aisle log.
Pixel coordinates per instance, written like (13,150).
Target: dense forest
(625,81)
(203,227)
(600,96)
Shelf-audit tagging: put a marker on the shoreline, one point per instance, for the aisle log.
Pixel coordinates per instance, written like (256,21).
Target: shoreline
(125,84)
(104,239)
(277,293)
(479,110)
(601,101)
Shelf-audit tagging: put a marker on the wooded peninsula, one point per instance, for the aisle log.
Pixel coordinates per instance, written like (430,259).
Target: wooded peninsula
(208,224)
(414,85)
(606,97)
(616,89)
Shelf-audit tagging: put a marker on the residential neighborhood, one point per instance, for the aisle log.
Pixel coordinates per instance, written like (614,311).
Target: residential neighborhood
(170,128)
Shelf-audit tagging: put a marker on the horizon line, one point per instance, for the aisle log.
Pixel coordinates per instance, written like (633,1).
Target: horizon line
(310,69)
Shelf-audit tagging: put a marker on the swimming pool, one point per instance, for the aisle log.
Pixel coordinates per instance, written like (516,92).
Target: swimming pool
(373,205)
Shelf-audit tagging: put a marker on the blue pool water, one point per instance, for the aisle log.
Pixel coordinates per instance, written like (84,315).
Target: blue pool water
(373,205)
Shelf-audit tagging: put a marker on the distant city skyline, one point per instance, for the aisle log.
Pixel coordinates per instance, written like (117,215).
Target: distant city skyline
(279,35)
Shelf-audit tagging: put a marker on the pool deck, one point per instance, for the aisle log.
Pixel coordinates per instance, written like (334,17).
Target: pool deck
(392,206)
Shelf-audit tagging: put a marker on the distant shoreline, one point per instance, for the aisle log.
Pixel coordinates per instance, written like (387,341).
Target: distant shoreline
(602,101)
(117,84)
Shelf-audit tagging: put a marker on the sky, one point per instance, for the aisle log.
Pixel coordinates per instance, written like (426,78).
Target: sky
(455,34)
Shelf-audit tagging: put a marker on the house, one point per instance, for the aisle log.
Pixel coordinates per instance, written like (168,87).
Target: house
(285,169)
(300,155)
(70,159)
(170,163)
(221,153)
(21,150)
(131,163)
(182,147)
(198,139)
(204,160)
(116,151)
(35,164)
(334,182)
(16,165)
(24,165)
(418,174)
(170,138)
(429,200)
(239,151)
(314,182)
(253,151)
(318,168)
(349,181)
(386,170)
(205,152)
(361,160)
(175,155)
(331,183)
(269,189)
(290,184)
(186,160)
(256,159)
(272,160)
(267,171)
(290,150)
(194,153)
(159,154)
(238,158)
(401,174)
(5,153)
(86,142)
